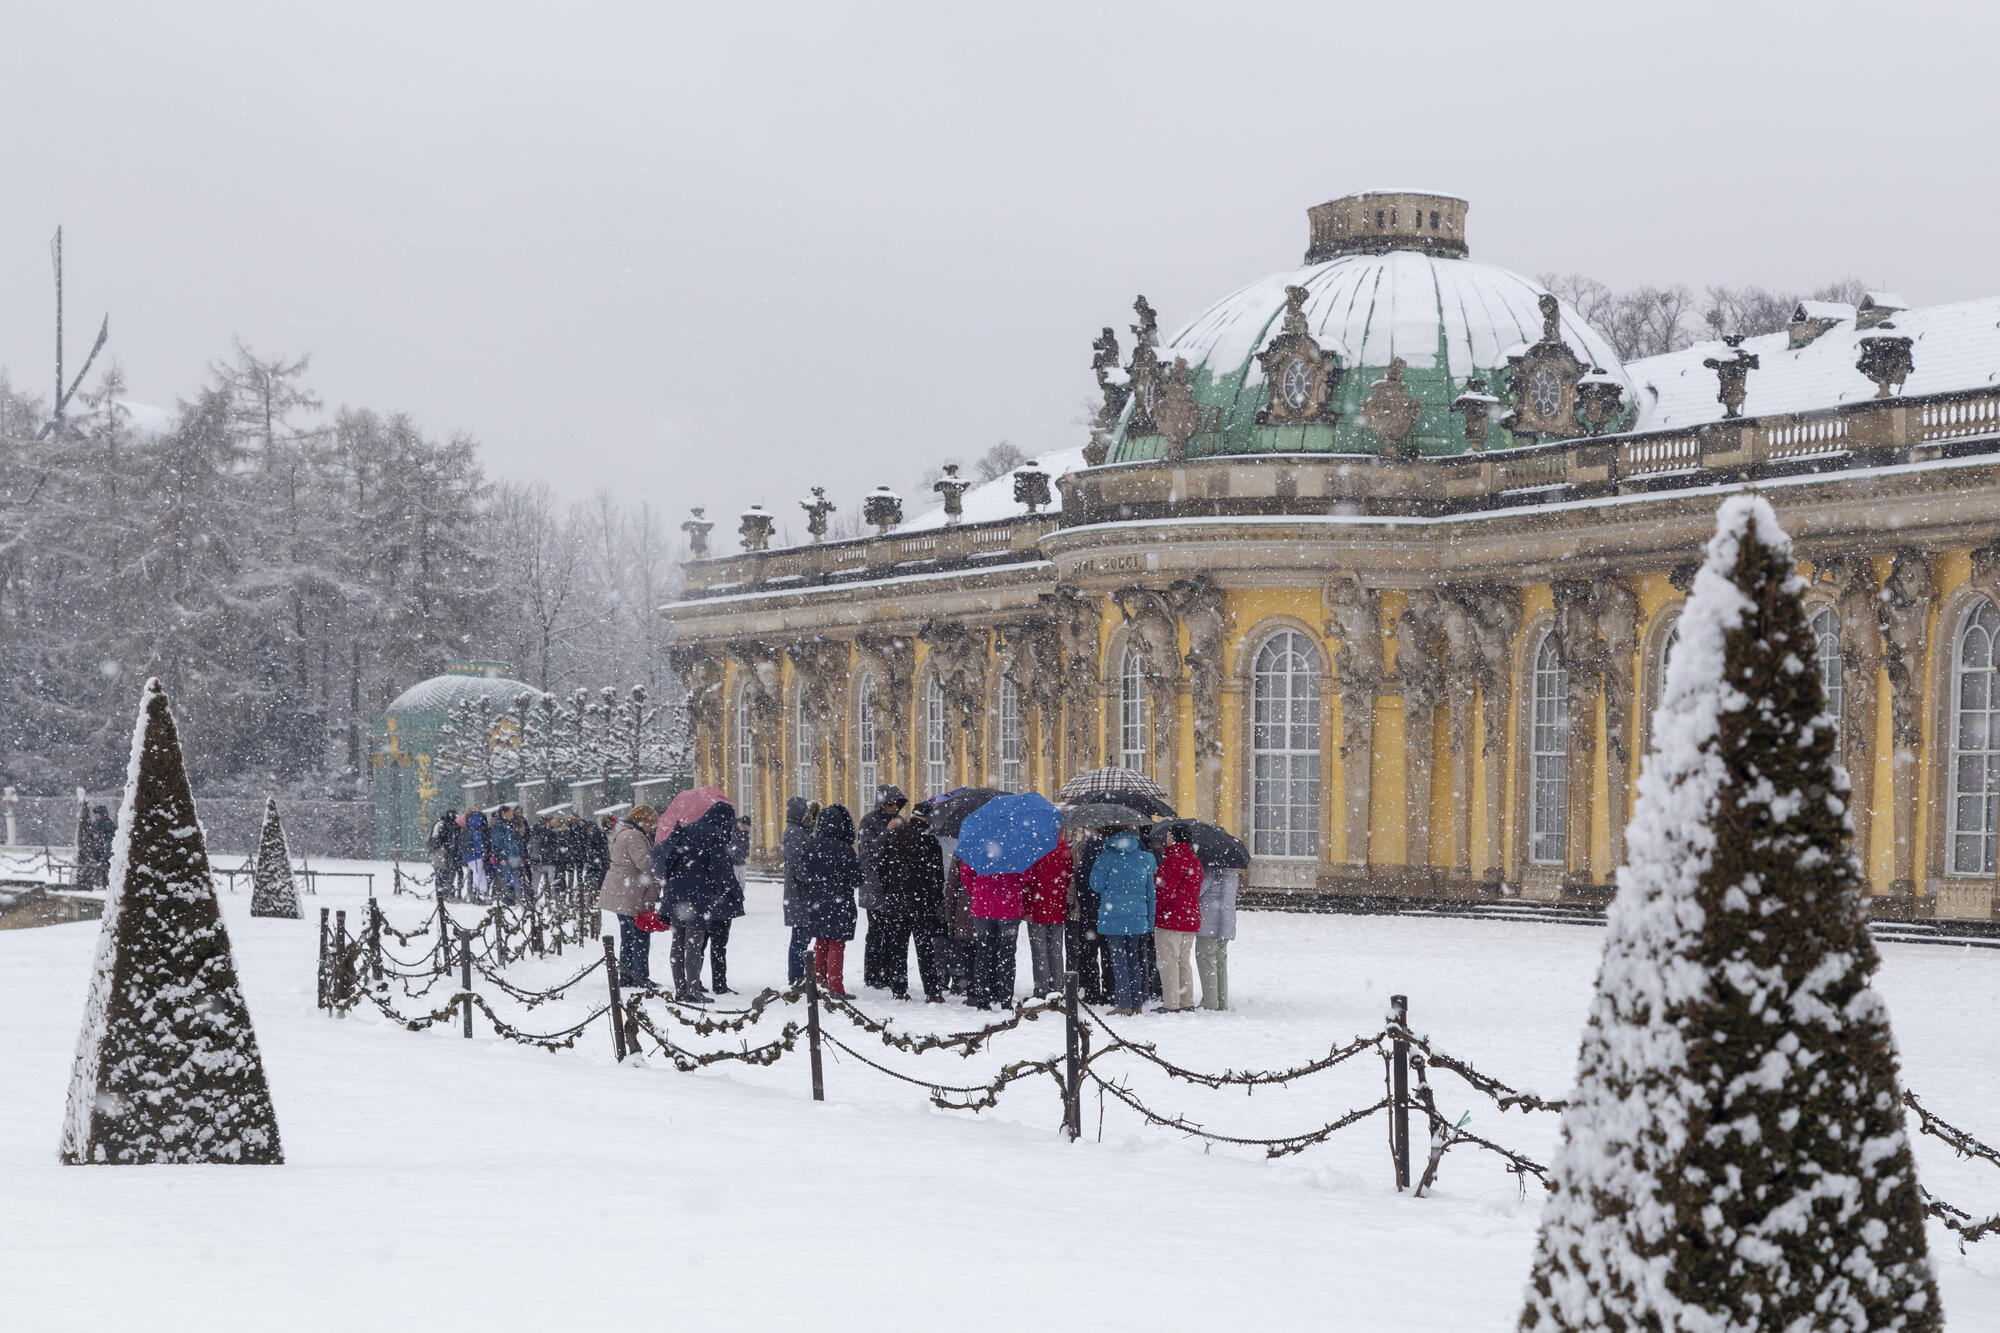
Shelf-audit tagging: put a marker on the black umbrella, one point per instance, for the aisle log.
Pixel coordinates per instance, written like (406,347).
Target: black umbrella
(1213,846)
(1144,802)
(952,808)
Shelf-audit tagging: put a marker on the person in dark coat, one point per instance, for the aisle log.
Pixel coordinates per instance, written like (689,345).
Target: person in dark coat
(889,803)
(443,845)
(1089,953)
(730,908)
(544,849)
(699,876)
(830,875)
(596,839)
(94,859)
(508,855)
(800,815)
(909,867)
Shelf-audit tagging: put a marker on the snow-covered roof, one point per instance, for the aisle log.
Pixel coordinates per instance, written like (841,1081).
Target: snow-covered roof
(993,500)
(1953,347)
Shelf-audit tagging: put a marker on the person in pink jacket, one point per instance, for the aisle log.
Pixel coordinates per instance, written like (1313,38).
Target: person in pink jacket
(1177,916)
(1046,906)
(996,933)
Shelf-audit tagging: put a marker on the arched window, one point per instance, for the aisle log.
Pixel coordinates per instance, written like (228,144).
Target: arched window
(1010,735)
(1975,744)
(803,777)
(1284,748)
(1132,712)
(866,769)
(746,756)
(937,752)
(1826,647)
(1548,757)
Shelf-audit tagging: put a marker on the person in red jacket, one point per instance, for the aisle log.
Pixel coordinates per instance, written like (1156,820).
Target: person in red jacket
(1046,907)
(1176,918)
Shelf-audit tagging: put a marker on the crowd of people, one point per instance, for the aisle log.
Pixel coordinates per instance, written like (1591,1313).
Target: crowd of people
(492,856)
(1136,926)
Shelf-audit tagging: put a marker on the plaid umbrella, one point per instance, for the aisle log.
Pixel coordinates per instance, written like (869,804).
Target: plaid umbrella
(1111,780)
(1098,816)
(1145,803)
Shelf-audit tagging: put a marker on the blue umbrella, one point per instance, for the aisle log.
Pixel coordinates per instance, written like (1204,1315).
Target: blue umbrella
(1008,834)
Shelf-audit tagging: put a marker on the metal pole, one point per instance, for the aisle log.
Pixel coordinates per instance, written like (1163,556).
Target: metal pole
(617,1006)
(375,940)
(1073,1102)
(812,1029)
(465,976)
(340,957)
(1399,1014)
(323,914)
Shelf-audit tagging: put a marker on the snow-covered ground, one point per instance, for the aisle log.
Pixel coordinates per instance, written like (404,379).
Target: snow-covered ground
(436,1182)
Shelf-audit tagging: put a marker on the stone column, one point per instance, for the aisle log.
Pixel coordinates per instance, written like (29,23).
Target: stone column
(700,669)
(1902,616)
(1486,618)
(759,663)
(1461,692)
(1354,616)
(1421,676)
(1200,605)
(1855,601)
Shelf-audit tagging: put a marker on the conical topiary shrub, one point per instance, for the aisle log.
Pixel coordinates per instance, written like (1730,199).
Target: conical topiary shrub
(272,892)
(1734,1156)
(167,1068)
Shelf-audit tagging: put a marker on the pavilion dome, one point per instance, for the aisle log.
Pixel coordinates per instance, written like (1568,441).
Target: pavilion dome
(425,705)
(1371,299)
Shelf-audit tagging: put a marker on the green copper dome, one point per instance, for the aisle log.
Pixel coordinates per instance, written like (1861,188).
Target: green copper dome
(1374,300)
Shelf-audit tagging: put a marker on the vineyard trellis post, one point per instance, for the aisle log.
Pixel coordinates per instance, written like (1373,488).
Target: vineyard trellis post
(1399,1112)
(465,976)
(812,1028)
(617,1004)
(343,963)
(324,913)
(375,942)
(1073,1071)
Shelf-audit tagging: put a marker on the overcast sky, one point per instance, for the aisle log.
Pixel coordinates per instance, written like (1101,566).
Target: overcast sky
(720,253)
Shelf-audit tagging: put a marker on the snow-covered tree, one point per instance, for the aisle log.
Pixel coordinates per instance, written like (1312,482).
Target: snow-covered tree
(1734,1156)
(272,890)
(167,1067)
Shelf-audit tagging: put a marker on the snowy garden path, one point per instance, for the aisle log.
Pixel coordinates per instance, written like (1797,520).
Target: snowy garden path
(496,1187)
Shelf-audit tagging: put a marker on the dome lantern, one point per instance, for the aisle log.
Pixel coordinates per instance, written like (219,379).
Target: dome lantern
(1375,222)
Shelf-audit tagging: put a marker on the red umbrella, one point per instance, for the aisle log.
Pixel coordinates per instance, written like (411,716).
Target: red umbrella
(685,808)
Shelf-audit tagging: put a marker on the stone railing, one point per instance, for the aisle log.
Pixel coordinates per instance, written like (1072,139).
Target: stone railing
(869,557)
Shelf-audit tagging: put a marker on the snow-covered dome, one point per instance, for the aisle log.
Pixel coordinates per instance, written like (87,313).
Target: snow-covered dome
(429,702)
(1372,297)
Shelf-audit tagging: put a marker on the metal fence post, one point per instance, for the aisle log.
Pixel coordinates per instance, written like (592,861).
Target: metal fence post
(375,941)
(812,1029)
(617,1005)
(340,961)
(1399,1014)
(465,976)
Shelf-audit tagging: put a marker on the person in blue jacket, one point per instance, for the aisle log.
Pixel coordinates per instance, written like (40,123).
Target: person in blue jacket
(1122,878)
(507,857)
(472,850)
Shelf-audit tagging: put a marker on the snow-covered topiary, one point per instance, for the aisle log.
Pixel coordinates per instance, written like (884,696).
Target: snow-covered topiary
(167,1068)
(1734,1156)
(272,892)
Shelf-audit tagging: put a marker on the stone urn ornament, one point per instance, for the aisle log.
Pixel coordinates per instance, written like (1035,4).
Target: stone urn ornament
(953,488)
(1733,373)
(757,527)
(697,528)
(817,508)
(1886,359)
(883,508)
(1391,412)
(1598,398)
(1031,485)
(1477,407)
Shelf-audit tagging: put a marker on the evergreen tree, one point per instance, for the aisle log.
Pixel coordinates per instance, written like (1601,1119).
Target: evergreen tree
(167,1068)
(1734,1157)
(272,891)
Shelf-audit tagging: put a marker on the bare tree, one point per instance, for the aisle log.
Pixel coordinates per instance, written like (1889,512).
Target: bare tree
(998,461)
(546,550)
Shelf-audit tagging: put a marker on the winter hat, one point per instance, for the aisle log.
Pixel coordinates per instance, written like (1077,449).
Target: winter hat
(888,792)
(645,816)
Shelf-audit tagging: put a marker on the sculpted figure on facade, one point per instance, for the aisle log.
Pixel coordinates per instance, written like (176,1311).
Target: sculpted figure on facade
(1851,580)
(1583,658)
(890,661)
(1202,611)
(701,671)
(1902,617)
(959,656)
(1492,619)
(1420,676)
(1155,633)
(1354,617)
(821,667)
(1079,628)
(1027,652)
(1616,613)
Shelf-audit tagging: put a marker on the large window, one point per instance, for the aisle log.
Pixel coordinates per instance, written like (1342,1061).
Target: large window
(1826,647)
(1010,735)
(1975,744)
(746,756)
(802,748)
(866,768)
(1132,712)
(1284,748)
(1548,756)
(937,751)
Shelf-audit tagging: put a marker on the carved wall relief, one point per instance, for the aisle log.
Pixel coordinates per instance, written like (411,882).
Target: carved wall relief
(1200,605)
(1154,631)
(1902,616)
(1354,618)
(1420,674)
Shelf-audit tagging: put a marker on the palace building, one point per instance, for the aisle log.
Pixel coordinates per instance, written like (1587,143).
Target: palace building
(1377,562)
